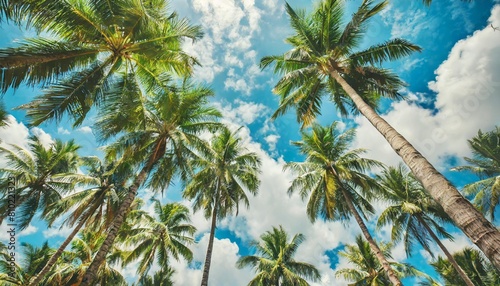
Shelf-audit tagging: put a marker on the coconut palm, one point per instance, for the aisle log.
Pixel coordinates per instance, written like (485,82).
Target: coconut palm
(159,238)
(162,129)
(414,215)
(226,173)
(486,165)
(41,174)
(334,179)
(19,271)
(162,277)
(473,263)
(93,207)
(92,43)
(367,269)
(274,261)
(324,59)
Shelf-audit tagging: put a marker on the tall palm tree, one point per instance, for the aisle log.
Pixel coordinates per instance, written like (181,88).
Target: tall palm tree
(414,215)
(473,263)
(324,60)
(486,165)
(226,172)
(42,174)
(158,238)
(333,176)
(367,269)
(93,207)
(162,129)
(92,43)
(274,261)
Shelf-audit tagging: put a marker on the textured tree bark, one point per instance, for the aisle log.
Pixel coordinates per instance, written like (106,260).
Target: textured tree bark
(373,245)
(100,256)
(208,258)
(452,260)
(461,211)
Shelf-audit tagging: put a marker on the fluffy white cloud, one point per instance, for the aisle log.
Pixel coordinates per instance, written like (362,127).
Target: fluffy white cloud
(85,129)
(272,140)
(63,131)
(242,113)
(466,85)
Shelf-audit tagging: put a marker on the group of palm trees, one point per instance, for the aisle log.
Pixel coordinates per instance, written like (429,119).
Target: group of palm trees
(125,58)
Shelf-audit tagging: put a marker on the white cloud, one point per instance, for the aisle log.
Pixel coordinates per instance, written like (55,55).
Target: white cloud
(43,136)
(466,85)
(243,113)
(14,133)
(272,140)
(63,131)
(85,129)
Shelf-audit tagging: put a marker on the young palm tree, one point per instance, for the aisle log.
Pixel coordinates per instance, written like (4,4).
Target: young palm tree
(94,207)
(226,172)
(22,270)
(161,131)
(274,261)
(473,263)
(92,42)
(486,165)
(415,217)
(367,269)
(161,237)
(42,174)
(332,176)
(324,60)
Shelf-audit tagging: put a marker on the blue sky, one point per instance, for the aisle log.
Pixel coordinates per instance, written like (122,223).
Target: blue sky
(453,92)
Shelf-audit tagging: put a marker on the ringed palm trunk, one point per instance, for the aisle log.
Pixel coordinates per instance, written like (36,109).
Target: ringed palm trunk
(373,245)
(208,258)
(91,272)
(480,231)
(451,259)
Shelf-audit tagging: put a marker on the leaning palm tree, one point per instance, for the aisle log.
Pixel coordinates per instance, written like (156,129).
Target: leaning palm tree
(486,165)
(367,270)
(226,172)
(42,174)
(473,263)
(274,261)
(93,207)
(92,43)
(162,129)
(415,217)
(159,238)
(324,60)
(333,176)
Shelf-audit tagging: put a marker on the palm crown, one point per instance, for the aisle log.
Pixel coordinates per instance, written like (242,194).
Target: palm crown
(321,45)
(91,43)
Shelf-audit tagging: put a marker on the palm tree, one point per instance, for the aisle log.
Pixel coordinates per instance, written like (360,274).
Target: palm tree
(161,237)
(486,165)
(3,115)
(19,272)
(367,269)
(332,176)
(415,217)
(226,172)
(93,207)
(161,131)
(162,277)
(93,42)
(42,174)
(274,261)
(324,60)
(473,263)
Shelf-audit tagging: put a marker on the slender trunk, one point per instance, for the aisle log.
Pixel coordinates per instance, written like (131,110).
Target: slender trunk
(461,211)
(36,280)
(373,245)
(208,258)
(16,61)
(100,256)
(452,260)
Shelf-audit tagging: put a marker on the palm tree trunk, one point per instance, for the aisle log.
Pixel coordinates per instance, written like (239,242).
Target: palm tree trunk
(461,211)
(99,258)
(452,260)
(208,258)
(56,255)
(23,61)
(373,245)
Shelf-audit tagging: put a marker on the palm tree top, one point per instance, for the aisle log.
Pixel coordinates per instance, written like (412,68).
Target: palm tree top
(322,45)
